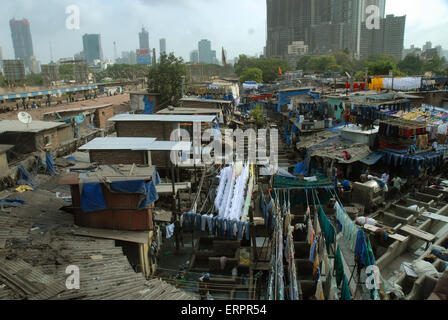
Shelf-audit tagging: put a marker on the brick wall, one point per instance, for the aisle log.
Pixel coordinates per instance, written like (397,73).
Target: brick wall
(102,115)
(65,134)
(140,129)
(160,159)
(52,134)
(117,157)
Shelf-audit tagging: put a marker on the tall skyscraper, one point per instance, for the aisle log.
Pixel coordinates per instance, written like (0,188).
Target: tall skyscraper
(144,39)
(1,54)
(92,48)
(194,56)
(388,40)
(205,51)
(22,41)
(162,45)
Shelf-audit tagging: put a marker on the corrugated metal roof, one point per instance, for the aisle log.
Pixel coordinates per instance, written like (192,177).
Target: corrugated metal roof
(161,118)
(119,144)
(33,127)
(170,146)
(135,144)
(79,109)
(205,100)
(190,111)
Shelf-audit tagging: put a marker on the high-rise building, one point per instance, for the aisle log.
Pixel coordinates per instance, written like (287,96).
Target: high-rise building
(427,46)
(205,51)
(14,70)
(22,41)
(287,21)
(324,26)
(394,35)
(1,54)
(162,46)
(144,39)
(194,56)
(92,48)
(388,40)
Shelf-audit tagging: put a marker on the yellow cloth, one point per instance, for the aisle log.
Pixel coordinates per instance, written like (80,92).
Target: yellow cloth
(319,291)
(24,188)
(316,263)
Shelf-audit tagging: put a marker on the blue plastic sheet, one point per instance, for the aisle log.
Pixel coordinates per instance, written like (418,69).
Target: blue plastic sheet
(5,203)
(299,168)
(92,198)
(151,195)
(50,163)
(137,186)
(24,176)
(149,106)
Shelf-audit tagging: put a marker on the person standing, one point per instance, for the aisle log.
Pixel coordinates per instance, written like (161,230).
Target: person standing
(397,184)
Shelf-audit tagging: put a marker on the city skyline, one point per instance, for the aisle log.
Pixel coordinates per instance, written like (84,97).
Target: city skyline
(247,36)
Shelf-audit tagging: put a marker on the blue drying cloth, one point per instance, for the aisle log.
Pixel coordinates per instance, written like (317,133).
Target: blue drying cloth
(149,106)
(137,186)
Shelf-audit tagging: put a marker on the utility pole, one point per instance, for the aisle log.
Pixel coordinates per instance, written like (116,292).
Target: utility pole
(367,79)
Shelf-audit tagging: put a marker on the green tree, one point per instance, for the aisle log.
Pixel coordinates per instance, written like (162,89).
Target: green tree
(123,71)
(258,114)
(411,65)
(2,80)
(269,67)
(381,65)
(166,78)
(251,74)
(436,64)
(34,80)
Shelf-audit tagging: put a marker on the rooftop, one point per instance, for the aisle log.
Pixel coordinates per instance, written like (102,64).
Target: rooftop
(79,109)
(161,118)
(33,127)
(205,100)
(109,173)
(191,111)
(135,144)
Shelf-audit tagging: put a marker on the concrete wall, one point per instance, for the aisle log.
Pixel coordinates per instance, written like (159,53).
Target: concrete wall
(65,134)
(118,157)
(137,103)
(160,130)
(3,163)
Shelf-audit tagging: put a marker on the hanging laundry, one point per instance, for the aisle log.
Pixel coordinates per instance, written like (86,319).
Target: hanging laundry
(169,231)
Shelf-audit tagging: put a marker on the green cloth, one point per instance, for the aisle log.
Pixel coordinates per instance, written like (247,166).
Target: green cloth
(339,267)
(327,228)
(286,183)
(345,290)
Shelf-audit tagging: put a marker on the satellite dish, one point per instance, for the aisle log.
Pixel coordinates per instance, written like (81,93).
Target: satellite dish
(25,118)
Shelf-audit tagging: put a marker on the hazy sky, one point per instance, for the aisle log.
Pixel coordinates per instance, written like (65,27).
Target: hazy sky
(237,25)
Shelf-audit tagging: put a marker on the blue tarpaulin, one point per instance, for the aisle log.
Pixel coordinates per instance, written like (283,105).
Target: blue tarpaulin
(92,198)
(151,195)
(137,186)
(50,163)
(24,176)
(285,97)
(5,203)
(149,106)
(299,168)
(372,158)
